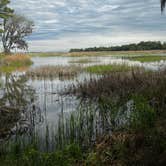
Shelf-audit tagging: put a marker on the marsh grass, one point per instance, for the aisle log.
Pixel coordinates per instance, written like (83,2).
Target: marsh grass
(54,71)
(17,60)
(105,69)
(121,86)
(102,53)
(46,54)
(119,117)
(117,53)
(148,58)
(13,62)
(84,61)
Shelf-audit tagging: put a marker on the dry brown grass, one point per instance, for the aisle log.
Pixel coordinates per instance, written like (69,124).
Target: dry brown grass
(16,60)
(114,53)
(54,71)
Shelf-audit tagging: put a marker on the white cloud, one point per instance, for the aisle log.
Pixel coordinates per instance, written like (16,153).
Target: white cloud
(62,24)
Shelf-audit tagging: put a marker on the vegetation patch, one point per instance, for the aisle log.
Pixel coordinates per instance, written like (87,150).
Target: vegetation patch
(83,61)
(71,155)
(105,69)
(148,58)
(83,137)
(13,62)
(98,53)
(54,71)
(46,54)
(149,45)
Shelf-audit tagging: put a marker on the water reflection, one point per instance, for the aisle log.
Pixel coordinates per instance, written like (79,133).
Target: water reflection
(27,102)
(18,110)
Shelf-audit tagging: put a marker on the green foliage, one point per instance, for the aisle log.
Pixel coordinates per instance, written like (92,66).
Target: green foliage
(147,58)
(143,115)
(149,45)
(5,12)
(30,156)
(92,160)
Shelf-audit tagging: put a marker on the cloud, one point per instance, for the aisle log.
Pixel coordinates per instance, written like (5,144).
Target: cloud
(91,22)
(84,41)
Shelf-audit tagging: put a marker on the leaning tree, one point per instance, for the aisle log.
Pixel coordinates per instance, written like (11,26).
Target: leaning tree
(16,29)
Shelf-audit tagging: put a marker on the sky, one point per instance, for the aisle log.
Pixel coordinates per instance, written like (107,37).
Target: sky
(64,24)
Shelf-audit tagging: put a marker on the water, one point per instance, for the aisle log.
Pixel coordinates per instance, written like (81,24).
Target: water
(99,60)
(45,103)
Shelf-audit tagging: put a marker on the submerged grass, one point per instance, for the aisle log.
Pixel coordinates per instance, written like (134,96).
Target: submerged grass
(54,71)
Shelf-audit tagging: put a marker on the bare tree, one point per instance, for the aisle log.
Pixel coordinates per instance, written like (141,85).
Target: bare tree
(16,28)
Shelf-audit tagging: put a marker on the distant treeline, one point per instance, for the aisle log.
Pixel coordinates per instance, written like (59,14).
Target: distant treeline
(149,45)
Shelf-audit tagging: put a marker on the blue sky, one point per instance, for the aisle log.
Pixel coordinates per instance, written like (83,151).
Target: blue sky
(64,24)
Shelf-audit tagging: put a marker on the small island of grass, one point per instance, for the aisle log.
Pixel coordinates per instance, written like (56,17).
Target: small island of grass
(104,69)
(148,58)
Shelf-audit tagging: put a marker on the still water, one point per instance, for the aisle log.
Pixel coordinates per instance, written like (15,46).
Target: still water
(41,101)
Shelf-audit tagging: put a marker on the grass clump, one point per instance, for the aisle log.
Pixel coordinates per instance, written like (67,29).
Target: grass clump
(69,156)
(13,62)
(148,58)
(17,60)
(105,69)
(142,115)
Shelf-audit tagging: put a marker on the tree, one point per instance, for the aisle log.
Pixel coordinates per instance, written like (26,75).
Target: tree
(5,12)
(16,28)
(163,3)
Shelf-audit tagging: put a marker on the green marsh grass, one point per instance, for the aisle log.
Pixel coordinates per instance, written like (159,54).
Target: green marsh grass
(13,62)
(46,54)
(17,60)
(148,58)
(105,69)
